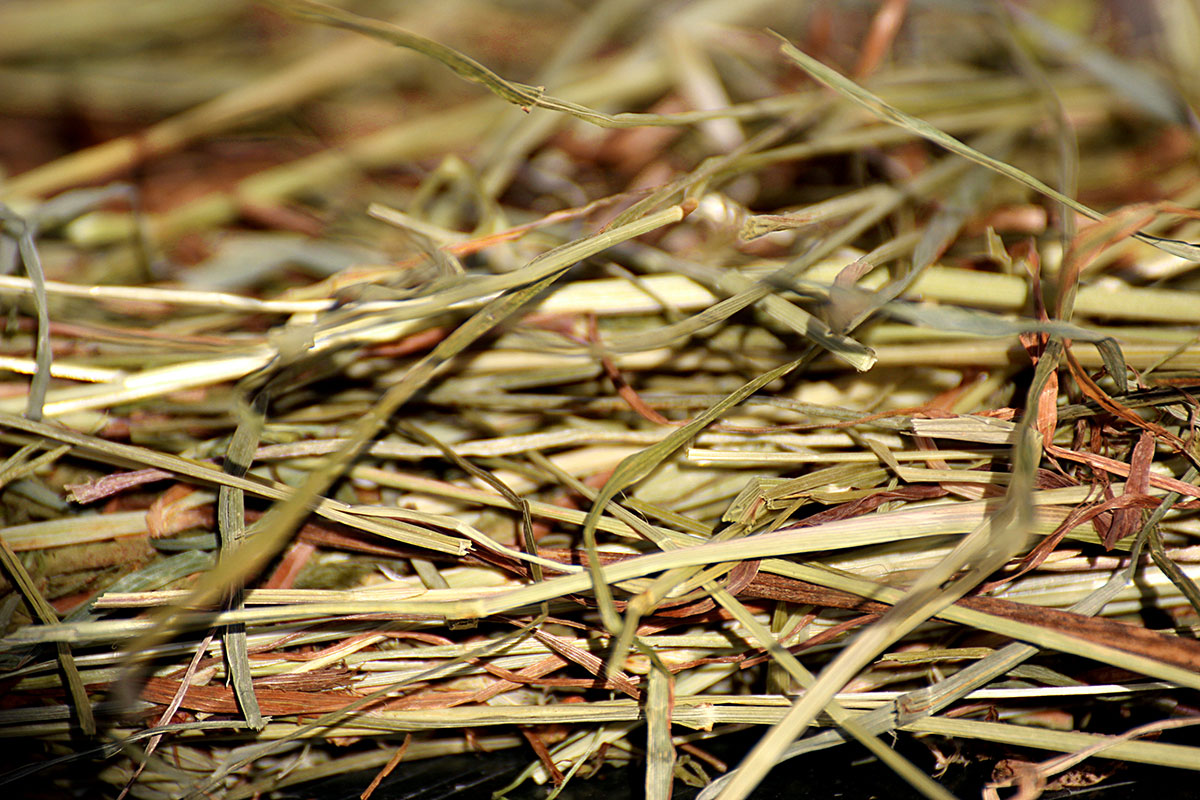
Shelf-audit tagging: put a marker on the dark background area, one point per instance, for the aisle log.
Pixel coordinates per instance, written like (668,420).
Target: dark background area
(844,772)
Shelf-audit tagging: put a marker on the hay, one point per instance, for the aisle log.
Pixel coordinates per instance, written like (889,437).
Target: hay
(841,377)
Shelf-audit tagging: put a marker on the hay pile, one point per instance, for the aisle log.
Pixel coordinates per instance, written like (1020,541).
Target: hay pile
(685,369)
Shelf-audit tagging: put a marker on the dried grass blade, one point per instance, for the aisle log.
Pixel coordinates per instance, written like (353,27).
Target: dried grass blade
(518,94)
(252,754)
(1056,765)
(638,466)
(987,548)
(24,232)
(518,503)
(660,749)
(1153,537)
(1162,754)
(614,678)
(904,768)
(1046,637)
(279,523)
(231,526)
(392,763)
(154,382)
(14,467)
(168,713)
(522,95)
(124,454)
(981,323)
(880,108)
(789,663)
(187,298)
